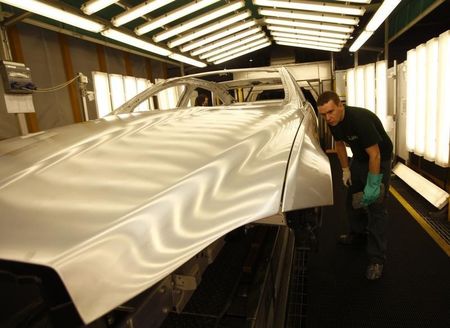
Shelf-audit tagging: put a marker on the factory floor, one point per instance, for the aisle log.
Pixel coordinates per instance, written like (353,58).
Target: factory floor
(414,290)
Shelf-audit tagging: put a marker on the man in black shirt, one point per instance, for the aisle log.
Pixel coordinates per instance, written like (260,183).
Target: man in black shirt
(368,173)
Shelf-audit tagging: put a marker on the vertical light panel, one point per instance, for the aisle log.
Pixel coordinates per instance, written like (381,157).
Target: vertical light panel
(130,87)
(381,91)
(359,96)
(431,99)
(443,111)
(421,57)
(369,87)
(101,92)
(117,90)
(141,85)
(351,98)
(411,78)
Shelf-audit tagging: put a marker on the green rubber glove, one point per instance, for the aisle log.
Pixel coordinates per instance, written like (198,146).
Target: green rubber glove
(372,189)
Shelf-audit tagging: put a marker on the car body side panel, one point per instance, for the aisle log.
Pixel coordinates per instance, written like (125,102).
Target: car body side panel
(115,205)
(308,179)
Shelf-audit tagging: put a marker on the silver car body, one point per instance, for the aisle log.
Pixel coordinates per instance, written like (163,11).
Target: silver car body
(116,204)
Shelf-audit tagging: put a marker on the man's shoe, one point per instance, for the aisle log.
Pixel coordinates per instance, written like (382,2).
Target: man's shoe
(374,271)
(353,239)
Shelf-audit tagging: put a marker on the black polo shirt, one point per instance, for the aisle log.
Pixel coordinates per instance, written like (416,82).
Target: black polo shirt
(361,129)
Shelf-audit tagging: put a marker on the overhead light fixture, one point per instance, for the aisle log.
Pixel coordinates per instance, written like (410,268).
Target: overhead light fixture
(233,45)
(308,37)
(135,42)
(226,40)
(381,14)
(218,35)
(325,7)
(302,45)
(173,15)
(92,6)
(310,25)
(187,60)
(56,13)
(379,17)
(238,49)
(220,24)
(303,15)
(199,20)
(244,52)
(307,32)
(362,38)
(138,11)
(308,42)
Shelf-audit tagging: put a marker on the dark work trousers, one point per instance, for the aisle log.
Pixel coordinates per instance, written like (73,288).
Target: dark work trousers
(373,218)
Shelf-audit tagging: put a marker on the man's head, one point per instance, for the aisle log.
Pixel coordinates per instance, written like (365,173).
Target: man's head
(201,100)
(330,107)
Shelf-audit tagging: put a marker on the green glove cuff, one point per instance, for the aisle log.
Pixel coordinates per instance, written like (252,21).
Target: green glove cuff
(374,179)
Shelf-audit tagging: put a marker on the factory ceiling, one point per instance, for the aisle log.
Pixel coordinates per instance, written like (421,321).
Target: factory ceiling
(207,34)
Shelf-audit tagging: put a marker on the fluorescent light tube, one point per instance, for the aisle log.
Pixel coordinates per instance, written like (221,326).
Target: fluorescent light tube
(92,6)
(303,15)
(325,7)
(173,15)
(379,17)
(432,193)
(55,13)
(308,42)
(369,87)
(233,45)
(431,99)
(135,42)
(381,91)
(199,20)
(302,45)
(209,29)
(218,35)
(362,38)
(411,77)
(421,99)
(101,93)
(239,54)
(381,14)
(310,25)
(224,41)
(187,60)
(359,78)
(294,37)
(443,112)
(138,11)
(350,79)
(238,49)
(118,95)
(307,32)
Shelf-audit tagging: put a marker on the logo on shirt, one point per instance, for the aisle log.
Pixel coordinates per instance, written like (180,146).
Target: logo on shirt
(351,138)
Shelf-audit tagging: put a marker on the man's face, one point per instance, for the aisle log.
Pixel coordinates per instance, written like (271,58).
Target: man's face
(332,113)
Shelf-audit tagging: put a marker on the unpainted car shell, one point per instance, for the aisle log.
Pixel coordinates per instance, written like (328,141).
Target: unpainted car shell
(116,204)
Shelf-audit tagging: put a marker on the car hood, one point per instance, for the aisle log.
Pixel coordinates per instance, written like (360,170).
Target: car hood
(115,205)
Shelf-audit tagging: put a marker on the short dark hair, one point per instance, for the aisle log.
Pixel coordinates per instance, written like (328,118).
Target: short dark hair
(326,97)
(200,99)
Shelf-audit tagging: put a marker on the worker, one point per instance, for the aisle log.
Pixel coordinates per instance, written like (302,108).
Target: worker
(369,172)
(201,100)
